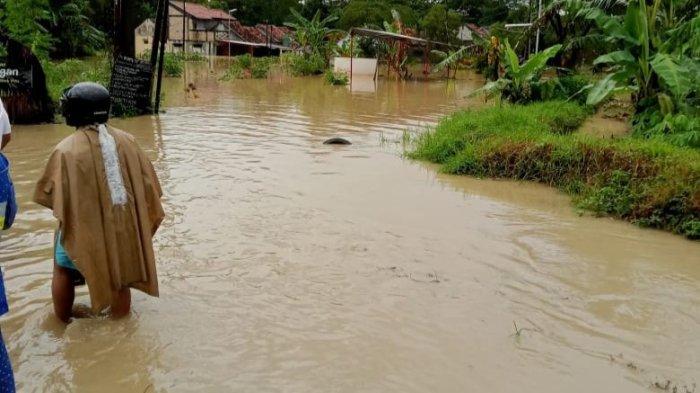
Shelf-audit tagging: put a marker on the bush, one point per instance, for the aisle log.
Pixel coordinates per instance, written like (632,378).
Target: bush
(247,66)
(245,61)
(678,129)
(173,65)
(569,87)
(63,74)
(302,65)
(649,182)
(336,78)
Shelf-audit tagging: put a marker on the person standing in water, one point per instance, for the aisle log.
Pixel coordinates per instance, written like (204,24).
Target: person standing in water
(5,129)
(7,380)
(105,194)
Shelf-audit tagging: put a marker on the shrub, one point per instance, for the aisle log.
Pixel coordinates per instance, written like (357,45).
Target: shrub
(63,74)
(649,182)
(336,78)
(678,129)
(173,65)
(247,66)
(245,61)
(302,65)
(569,87)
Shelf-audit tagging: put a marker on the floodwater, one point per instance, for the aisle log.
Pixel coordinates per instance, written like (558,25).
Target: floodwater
(289,265)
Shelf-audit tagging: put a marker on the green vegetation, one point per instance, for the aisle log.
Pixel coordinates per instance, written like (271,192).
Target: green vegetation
(441,24)
(301,65)
(336,78)
(649,182)
(247,66)
(657,59)
(173,65)
(63,74)
(521,82)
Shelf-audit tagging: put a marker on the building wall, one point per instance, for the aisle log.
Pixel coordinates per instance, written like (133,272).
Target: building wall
(143,44)
(195,41)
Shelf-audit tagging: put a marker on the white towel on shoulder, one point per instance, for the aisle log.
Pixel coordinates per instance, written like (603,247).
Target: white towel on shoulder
(112,167)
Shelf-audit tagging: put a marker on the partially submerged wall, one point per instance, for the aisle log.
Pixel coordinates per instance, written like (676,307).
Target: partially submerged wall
(361,67)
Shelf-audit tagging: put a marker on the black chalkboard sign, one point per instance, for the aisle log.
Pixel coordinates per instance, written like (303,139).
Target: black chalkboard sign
(131,86)
(15,79)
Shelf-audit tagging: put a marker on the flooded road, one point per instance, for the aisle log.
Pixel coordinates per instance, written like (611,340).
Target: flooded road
(288,265)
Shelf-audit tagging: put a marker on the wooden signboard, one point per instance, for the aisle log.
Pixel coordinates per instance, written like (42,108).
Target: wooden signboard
(131,86)
(23,84)
(15,79)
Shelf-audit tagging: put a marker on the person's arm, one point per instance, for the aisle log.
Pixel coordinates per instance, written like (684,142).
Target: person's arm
(5,140)
(5,129)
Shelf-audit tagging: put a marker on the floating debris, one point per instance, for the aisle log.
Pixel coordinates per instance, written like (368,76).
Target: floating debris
(337,141)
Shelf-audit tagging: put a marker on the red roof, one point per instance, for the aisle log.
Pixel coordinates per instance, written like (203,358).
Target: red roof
(277,33)
(248,33)
(199,11)
(481,31)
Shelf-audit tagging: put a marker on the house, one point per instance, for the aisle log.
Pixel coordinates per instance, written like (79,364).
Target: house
(143,37)
(466,32)
(196,28)
(200,29)
(259,40)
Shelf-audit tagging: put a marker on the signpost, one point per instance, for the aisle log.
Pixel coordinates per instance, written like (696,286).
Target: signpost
(131,86)
(14,79)
(23,84)
(132,81)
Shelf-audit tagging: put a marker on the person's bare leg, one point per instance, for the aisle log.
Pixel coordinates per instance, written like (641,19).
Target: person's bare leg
(121,303)
(63,293)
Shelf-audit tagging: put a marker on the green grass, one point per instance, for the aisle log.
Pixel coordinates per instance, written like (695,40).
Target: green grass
(63,74)
(648,182)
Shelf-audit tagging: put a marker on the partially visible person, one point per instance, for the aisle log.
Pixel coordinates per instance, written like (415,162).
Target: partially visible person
(7,380)
(105,194)
(5,129)
(7,210)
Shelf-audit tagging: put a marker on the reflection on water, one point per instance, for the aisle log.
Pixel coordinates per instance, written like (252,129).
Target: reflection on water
(288,265)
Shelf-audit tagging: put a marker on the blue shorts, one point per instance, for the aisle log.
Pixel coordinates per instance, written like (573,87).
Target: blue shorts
(62,259)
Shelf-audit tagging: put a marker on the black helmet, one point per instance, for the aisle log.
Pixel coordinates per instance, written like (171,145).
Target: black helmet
(85,103)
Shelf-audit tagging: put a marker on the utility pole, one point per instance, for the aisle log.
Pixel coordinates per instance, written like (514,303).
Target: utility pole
(184,27)
(230,13)
(125,22)
(539,15)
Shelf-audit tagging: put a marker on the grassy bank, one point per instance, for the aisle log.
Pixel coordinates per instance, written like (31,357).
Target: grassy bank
(648,182)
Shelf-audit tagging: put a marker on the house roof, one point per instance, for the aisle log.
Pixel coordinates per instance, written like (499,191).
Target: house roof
(248,33)
(199,11)
(277,33)
(394,36)
(478,30)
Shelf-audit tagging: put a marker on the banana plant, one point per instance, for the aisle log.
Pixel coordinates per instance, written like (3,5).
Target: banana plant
(451,59)
(657,74)
(311,34)
(520,81)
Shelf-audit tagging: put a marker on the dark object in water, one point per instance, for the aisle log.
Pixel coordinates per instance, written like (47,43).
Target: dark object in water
(337,141)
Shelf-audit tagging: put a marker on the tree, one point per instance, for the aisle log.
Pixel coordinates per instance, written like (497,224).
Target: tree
(24,20)
(72,29)
(360,13)
(252,12)
(441,24)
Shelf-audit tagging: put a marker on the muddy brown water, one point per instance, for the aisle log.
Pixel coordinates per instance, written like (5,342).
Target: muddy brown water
(289,265)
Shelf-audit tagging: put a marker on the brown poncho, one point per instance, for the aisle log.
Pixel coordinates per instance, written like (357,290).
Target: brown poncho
(110,245)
